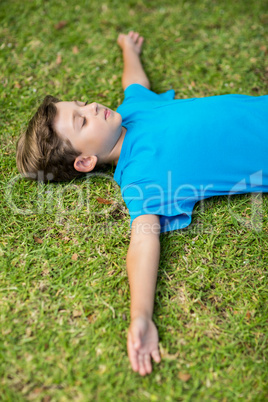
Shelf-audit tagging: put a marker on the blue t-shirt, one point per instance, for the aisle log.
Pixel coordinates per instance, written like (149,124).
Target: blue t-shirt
(177,152)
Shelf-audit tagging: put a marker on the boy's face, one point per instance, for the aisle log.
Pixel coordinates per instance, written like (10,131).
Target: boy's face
(92,129)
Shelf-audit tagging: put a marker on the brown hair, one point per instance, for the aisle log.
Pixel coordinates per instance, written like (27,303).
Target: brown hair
(41,153)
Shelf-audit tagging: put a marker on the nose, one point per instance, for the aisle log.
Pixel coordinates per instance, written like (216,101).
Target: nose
(94,108)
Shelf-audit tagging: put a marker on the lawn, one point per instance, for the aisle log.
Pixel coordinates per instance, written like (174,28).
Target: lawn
(63,284)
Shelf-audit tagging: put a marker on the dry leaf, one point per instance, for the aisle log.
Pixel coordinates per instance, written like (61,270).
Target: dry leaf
(42,287)
(38,240)
(37,390)
(28,331)
(74,257)
(102,368)
(103,201)
(60,25)
(77,313)
(75,50)
(184,376)
(165,355)
(248,315)
(58,61)
(91,317)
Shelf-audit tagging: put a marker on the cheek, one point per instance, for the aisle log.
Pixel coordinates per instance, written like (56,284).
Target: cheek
(100,133)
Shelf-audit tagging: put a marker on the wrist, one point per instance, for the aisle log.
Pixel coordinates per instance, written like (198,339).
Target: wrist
(128,49)
(141,314)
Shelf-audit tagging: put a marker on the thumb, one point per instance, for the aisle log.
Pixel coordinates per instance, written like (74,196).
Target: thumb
(136,338)
(137,344)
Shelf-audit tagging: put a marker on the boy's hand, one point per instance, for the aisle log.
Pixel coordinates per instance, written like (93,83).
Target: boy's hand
(142,344)
(133,41)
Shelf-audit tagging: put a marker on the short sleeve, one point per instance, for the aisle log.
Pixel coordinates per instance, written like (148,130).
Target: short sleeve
(137,92)
(139,202)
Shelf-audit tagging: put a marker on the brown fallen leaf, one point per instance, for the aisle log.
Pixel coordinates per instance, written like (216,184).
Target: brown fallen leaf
(28,332)
(60,24)
(38,240)
(45,272)
(91,317)
(74,257)
(42,287)
(103,201)
(77,313)
(248,315)
(37,391)
(165,355)
(75,50)
(58,60)
(184,376)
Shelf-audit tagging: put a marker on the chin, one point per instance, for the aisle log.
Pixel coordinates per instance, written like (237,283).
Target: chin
(120,117)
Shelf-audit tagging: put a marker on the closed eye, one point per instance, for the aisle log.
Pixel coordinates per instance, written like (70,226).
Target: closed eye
(84,119)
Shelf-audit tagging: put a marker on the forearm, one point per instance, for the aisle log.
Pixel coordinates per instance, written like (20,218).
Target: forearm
(142,267)
(133,71)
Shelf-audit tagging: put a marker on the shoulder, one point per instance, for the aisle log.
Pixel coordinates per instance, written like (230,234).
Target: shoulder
(138,92)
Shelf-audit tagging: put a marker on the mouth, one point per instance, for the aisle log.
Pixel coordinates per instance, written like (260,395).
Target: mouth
(107,114)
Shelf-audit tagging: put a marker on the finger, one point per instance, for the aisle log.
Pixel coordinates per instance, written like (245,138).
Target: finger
(137,344)
(156,356)
(136,338)
(132,355)
(135,36)
(120,36)
(140,41)
(131,33)
(142,369)
(147,363)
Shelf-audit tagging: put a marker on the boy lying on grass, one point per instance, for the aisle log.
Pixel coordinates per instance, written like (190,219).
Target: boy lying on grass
(169,154)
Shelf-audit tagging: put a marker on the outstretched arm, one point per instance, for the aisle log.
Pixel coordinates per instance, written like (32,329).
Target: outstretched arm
(142,266)
(133,72)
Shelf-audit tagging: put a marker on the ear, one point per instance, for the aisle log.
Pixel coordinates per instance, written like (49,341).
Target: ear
(85,164)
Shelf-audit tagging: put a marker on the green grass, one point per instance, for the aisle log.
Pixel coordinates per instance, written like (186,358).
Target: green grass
(63,282)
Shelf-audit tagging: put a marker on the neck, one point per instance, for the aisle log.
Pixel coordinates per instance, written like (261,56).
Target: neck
(115,152)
